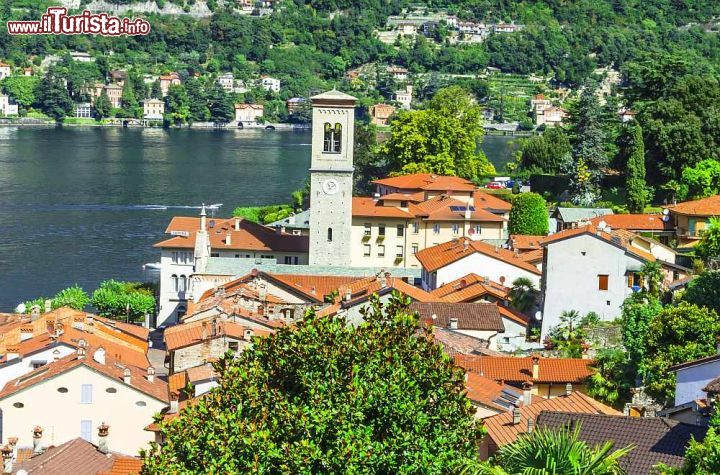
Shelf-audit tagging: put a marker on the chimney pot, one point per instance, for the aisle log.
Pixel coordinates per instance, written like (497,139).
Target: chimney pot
(174,408)
(48,306)
(37,440)
(228,239)
(516,415)
(568,389)
(151,374)
(453,323)
(527,393)
(530,425)
(237,224)
(99,355)
(103,430)
(127,375)
(7,455)
(81,352)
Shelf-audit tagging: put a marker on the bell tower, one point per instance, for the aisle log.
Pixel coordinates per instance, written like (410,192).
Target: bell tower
(331,178)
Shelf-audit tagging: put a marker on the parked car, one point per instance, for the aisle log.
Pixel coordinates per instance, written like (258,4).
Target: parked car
(495,185)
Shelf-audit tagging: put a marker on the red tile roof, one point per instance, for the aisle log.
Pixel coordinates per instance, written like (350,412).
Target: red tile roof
(368,207)
(490,202)
(470,316)
(76,456)
(621,239)
(635,222)
(125,466)
(470,288)
(188,334)
(485,391)
(502,431)
(513,315)
(445,208)
(248,236)
(520,370)
(703,207)
(526,242)
(427,181)
(436,257)
(316,287)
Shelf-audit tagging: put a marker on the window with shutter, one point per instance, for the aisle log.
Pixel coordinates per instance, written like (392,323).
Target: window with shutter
(86,430)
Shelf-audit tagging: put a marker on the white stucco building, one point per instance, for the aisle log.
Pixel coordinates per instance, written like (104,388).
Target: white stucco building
(692,377)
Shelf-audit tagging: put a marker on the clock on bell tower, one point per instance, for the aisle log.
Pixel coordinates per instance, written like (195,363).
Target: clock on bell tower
(331,178)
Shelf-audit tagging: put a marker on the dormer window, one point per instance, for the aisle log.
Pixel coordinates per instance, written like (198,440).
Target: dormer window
(332,138)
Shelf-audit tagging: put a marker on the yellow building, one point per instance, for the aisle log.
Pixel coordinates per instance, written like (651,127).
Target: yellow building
(691,218)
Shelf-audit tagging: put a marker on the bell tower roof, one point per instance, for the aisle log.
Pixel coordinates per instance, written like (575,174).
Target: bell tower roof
(334,97)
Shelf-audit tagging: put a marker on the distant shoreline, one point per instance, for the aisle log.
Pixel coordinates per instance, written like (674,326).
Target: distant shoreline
(24,122)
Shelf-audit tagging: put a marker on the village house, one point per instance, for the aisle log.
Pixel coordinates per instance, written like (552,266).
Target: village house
(408,29)
(194,240)
(507,427)
(398,73)
(691,218)
(659,226)
(77,456)
(114,93)
(380,113)
(82,57)
(697,383)
(404,97)
(172,79)
(91,387)
(6,108)
(490,398)
(297,224)
(226,81)
(248,113)
(153,109)
(197,343)
(27,71)
(270,84)
(5,70)
(295,104)
(567,218)
(452,260)
(118,77)
(654,439)
(594,269)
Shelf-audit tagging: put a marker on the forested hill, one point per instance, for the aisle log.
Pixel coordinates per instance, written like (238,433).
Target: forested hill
(313,43)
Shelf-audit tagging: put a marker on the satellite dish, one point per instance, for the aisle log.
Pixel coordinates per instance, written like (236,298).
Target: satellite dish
(602,224)
(666,211)
(538,315)
(666,218)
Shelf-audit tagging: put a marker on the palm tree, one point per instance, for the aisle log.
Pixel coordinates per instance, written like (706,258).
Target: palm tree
(522,294)
(548,452)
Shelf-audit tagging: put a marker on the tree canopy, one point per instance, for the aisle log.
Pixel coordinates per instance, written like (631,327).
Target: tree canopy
(328,397)
(529,215)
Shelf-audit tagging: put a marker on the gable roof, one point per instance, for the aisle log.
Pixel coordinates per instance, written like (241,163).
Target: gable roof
(490,202)
(76,456)
(369,207)
(446,208)
(570,215)
(247,236)
(655,439)
(621,239)
(703,207)
(523,242)
(437,257)
(470,287)
(502,431)
(470,316)
(635,222)
(520,370)
(193,333)
(697,362)
(125,466)
(427,181)
(486,392)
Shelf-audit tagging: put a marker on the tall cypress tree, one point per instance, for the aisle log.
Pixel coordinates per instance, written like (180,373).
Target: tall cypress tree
(589,146)
(637,192)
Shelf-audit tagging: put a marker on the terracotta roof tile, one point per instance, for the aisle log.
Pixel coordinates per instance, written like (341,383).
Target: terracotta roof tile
(703,207)
(192,333)
(455,343)
(490,202)
(513,315)
(248,236)
(316,287)
(525,242)
(428,182)
(486,392)
(502,431)
(655,440)
(519,370)
(533,257)
(470,316)
(619,239)
(76,456)
(445,208)
(436,257)
(635,222)
(470,288)
(125,466)
(368,207)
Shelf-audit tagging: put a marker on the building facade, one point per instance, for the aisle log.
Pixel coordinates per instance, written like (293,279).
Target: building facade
(153,109)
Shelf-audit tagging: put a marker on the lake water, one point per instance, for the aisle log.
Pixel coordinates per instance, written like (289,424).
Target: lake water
(80,205)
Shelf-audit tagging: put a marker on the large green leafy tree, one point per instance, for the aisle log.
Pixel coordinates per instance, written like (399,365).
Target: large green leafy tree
(53,97)
(529,215)
(553,452)
(123,300)
(103,106)
(222,108)
(613,377)
(328,397)
(21,88)
(677,334)
(369,164)
(199,111)
(73,297)
(638,311)
(709,246)
(523,294)
(702,458)
(700,181)
(635,186)
(129,101)
(546,153)
(444,138)
(704,290)
(178,103)
(589,145)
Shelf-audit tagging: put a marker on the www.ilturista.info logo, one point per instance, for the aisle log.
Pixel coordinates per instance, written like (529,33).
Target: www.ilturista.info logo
(57,22)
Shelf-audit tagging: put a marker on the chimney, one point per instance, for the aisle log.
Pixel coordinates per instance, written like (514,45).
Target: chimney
(228,239)
(204,331)
(516,415)
(530,425)
(453,323)
(12,352)
(56,354)
(34,313)
(37,440)
(568,389)
(248,334)
(103,430)
(48,306)
(12,442)
(127,376)
(99,355)
(203,218)
(376,197)
(527,393)
(535,367)
(174,408)
(7,455)
(468,209)
(466,244)
(151,374)
(89,323)
(81,351)
(237,224)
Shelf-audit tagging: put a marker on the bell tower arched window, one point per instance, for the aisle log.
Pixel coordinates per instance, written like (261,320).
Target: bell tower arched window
(332,138)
